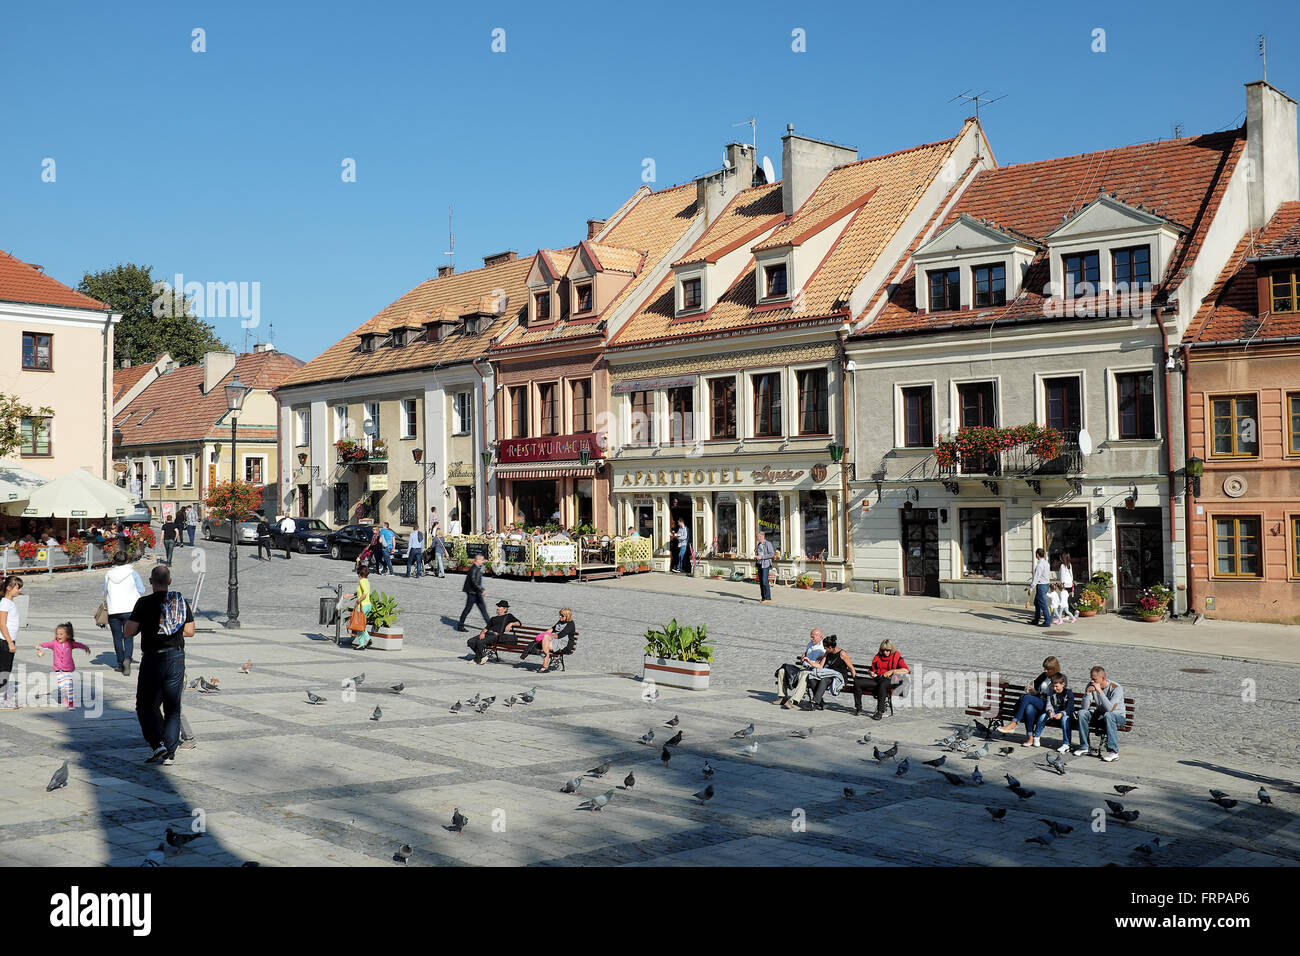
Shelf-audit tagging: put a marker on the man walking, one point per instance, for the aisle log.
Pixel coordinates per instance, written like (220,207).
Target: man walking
(287,528)
(169,538)
(415,553)
(1039,584)
(263,537)
(473,588)
(683,543)
(763,554)
(192,521)
(386,541)
(1103,700)
(163,620)
(494,632)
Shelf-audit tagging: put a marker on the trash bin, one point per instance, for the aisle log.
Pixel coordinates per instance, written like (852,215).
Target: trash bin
(328,610)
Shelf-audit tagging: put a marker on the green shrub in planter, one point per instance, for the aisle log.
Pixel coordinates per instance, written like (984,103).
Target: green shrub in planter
(678,642)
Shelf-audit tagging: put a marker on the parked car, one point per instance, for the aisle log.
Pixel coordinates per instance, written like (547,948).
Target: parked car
(350,540)
(309,535)
(218,529)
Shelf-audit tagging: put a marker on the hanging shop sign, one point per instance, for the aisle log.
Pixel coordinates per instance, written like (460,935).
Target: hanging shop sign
(554,448)
(460,473)
(377,482)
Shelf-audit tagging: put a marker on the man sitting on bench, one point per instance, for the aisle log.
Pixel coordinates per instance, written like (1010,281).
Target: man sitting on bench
(1102,700)
(792,679)
(493,632)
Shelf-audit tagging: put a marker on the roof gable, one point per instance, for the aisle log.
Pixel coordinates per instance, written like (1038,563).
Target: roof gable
(966,233)
(20,282)
(1108,214)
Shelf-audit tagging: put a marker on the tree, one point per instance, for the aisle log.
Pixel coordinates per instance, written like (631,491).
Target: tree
(12,412)
(145,332)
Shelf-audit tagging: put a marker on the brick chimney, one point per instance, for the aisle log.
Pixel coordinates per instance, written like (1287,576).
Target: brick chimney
(444,271)
(594,226)
(804,164)
(499,258)
(216,366)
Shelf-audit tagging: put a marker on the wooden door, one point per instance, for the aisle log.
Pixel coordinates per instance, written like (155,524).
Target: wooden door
(1141,561)
(921,552)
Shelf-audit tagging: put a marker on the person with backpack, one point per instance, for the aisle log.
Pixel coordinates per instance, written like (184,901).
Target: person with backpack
(163,620)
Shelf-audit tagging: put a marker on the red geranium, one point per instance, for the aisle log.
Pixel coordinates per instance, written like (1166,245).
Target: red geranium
(233,500)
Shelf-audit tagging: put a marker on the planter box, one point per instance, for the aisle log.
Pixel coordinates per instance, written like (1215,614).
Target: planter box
(1152,618)
(688,675)
(386,639)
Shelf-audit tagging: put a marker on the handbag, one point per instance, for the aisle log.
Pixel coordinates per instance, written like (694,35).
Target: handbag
(357,620)
(101,614)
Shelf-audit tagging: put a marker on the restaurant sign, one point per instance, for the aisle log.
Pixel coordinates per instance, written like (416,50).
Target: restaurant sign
(553,448)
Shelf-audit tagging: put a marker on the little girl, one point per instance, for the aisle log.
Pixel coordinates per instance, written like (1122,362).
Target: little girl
(63,646)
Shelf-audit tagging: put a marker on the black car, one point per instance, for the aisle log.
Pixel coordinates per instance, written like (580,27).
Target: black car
(351,540)
(309,536)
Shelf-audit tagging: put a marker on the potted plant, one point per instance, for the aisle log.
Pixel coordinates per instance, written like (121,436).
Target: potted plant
(804,581)
(676,656)
(382,621)
(27,550)
(74,547)
(1153,602)
(1089,602)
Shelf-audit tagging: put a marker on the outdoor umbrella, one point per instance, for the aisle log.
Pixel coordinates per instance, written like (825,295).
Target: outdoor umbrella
(79,494)
(17,484)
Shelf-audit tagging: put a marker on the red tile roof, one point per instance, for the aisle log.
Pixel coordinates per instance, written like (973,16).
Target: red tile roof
(1231,311)
(1182,180)
(20,282)
(124,379)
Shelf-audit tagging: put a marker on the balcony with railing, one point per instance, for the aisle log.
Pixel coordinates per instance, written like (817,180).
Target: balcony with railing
(1019,461)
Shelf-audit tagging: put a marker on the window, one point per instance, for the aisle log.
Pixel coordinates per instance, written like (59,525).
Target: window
(584,491)
(918,417)
(38,351)
(367,343)
(341,503)
(1131,268)
(690,294)
(581,405)
(774,281)
(371,423)
(1293,431)
(1064,413)
(767,405)
(341,429)
(1295,547)
(1134,392)
(398,337)
(408,495)
(681,415)
(410,420)
(188,465)
(816,523)
(726,536)
(642,421)
(722,408)
(1234,428)
(990,285)
(814,416)
(1285,284)
(981,543)
(549,408)
(542,306)
(464,412)
(302,422)
(1082,273)
(1236,548)
(519,411)
(767,512)
(36,437)
(975,408)
(171,472)
(584,297)
(252,469)
(945,289)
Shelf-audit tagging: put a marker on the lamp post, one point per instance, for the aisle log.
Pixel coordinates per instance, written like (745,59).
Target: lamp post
(234,402)
(429,469)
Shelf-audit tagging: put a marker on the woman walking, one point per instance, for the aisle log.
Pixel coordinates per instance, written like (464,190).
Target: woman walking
(122,588)
(9,625)
(361,637)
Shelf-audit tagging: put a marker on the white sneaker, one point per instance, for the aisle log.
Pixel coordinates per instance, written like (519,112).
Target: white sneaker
(1064,748)
(1082,751)
(1109,755)
(1034,742)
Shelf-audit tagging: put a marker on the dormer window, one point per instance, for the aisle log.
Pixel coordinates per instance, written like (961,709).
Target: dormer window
(473,324)
(691,294)
(368,342)
(398,337)
(990,283)
(542,306)
(945,289)
(1285,289)
(774,282)
(1082,273)
(1131,268)
(584,298)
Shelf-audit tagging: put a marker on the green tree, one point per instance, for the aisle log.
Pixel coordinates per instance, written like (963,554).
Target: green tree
(150,325)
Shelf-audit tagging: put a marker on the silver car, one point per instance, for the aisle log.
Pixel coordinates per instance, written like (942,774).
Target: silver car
(218,529)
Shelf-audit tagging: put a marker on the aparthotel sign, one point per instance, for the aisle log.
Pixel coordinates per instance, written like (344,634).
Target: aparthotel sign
(729,476)
(555,448)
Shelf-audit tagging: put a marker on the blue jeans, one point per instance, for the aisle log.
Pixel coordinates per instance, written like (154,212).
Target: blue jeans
(439,557)
(415,556)
(681,557)
(386,559)
(123,646)
(1029,711)
(190,529)
(765,585)
(1040,604)
(158,697)
(1113,722)
(1066,726)
(169,546)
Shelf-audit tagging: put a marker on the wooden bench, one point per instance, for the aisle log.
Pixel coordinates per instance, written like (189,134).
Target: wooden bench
(524,637)
(1007,697)
(848,689)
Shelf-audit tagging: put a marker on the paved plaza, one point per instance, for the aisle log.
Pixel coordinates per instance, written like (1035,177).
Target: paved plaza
(278,781)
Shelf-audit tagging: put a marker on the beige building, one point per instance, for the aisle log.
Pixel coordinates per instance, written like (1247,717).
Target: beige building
(57,349)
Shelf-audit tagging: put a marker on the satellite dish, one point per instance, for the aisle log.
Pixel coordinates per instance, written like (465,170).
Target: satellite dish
(1085,441)
(768,171)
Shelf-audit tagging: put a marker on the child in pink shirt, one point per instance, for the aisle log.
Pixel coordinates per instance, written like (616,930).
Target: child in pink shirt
(63,646)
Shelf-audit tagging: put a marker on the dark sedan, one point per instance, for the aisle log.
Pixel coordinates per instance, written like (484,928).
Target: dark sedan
(350,541)
(309,536)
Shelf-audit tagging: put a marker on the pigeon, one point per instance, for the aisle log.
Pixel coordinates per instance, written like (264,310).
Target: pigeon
(314,698)
(902,768)
(848,793)
(953,778)
(1022,793)
(647,738)
(997,813)
(245,667)
(178,838)
(892,752)
(599,801)
(194,684)
(1115,806)
(600,769)
(359,679)
(674,740)
(208,687)
(1060,829)
(963,733)
(1127,816)
(571,786)
(376,714)
(1044,840)
(1012,782)
(485,703)
(705,795)
(802,734)
(1218,794)
(936,763)
(650,694)
(708,770)
(403,853)
(512,700)
(1123,788)
(458,821)
(983,729)
(59,780)
(1054,761)
(865,739)
(880,758)
(1264,798)
(746,732)
(398,687)
(1006,751)
(750,748)
(1226,804)
(529,695)
(665,756)
(977,776)
(455,708)
(155,857)
(1148,848)
(673,722)
(981,753)
(629,781)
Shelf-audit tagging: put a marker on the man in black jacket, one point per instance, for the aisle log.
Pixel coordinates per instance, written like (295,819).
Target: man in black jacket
(263,536)
(473,589)
(494,632)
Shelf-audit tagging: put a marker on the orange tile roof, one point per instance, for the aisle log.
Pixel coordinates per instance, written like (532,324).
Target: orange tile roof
(173,408)
(611,258)
(876,194)
(1231,311)
(125,378)
(20,282)
(1182,180)
(750,213)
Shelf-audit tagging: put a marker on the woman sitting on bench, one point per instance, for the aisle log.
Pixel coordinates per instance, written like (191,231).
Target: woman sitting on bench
(1033,703)
(556,640)
(887,670)
(836,670)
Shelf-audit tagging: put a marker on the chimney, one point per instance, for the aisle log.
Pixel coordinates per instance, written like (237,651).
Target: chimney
(126,363)
(216,366)
(1270,151)
(804,164)
(715,190)
(500,258)
(444,271)
(594,226)
(741,160)
(263,347)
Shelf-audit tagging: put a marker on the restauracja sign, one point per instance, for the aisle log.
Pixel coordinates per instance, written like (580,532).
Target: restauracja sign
(557,448)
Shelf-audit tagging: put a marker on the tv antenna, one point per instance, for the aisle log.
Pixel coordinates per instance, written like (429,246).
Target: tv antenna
(753,131)
(451,238)
(979,99)
(1263,54)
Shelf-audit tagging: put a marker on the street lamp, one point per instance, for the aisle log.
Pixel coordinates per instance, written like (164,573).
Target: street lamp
(234,402)
(430,469)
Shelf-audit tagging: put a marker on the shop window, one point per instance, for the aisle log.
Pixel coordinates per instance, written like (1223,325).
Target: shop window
(767,509)
(681,415)
(814,508)
(1236,548)
(981,543)
(726,537)
(642,405)
(722,408)
(1066,532)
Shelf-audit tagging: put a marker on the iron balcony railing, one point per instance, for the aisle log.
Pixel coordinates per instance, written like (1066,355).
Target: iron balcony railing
(1016,462)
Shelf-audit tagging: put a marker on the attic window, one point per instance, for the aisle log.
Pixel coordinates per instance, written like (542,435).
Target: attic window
(1285,290)
(690,294)
(148,415)
(774,281)
(584,297)
(945,289)
(990,285)
(1082,274)
(368,343)
(473,324)
(542,306)
(399,337)
(1131,268)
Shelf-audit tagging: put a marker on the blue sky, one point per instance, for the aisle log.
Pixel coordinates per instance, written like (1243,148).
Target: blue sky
(225,165)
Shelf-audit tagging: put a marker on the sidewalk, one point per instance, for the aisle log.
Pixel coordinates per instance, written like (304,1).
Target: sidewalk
(1231,640)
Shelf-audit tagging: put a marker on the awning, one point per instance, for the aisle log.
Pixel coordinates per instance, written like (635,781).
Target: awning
(564,472)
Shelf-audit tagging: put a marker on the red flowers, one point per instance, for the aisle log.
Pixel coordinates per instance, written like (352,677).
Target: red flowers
(973,442)
(230,500)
